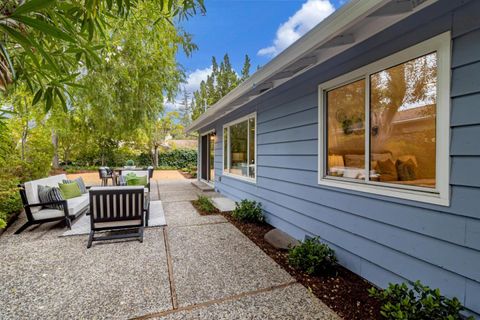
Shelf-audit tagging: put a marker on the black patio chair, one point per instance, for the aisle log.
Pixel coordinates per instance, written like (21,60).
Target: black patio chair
(117,209)
(104,174)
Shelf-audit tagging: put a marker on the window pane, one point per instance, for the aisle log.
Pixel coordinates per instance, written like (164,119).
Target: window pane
(225,149)
(251,154)
(346,131)
(238,149)
(402,120)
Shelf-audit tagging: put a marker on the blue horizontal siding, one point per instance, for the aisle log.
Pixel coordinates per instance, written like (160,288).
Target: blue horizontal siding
(298,119)
(465,80)
(465,171)
(466,110)
(308,132)
(467,49)
(381,238)
(309,147)
(466,141)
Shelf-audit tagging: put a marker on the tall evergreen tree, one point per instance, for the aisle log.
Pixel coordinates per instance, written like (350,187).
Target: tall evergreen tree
(185,111)
(246,68)
(219,83)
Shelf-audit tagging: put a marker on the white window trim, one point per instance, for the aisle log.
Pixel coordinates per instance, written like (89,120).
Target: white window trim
(228,125)
(440,44)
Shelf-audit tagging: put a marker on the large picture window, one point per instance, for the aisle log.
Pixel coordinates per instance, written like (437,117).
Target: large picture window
(385,127)
(239,147)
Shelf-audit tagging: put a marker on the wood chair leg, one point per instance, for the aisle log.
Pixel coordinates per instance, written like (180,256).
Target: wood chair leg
(22,228)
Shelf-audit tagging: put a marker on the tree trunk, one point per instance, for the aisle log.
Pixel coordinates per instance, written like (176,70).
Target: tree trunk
(55,160)
(25,130)
(24,142)
(155,156)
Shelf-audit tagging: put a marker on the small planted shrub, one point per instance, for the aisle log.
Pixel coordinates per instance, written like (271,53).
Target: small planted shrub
(248,211)
(417,303)
(130,163)
(205,204)
(312,257)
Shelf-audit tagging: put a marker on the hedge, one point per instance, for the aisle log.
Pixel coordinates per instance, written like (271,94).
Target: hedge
(178,158)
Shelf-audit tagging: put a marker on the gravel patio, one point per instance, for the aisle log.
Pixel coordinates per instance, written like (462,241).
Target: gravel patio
(198,267)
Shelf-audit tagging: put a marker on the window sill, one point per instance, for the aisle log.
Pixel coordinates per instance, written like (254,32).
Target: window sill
(242,178)
(402,193)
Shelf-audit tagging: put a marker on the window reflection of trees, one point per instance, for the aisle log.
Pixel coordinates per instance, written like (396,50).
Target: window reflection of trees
(402,122)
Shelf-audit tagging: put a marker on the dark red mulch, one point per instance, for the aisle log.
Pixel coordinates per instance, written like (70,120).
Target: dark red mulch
(343,291)
(186,175)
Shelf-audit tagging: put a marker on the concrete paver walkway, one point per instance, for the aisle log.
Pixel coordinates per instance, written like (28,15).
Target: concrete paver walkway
(198,267)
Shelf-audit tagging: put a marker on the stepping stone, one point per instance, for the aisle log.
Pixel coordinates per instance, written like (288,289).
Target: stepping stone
(157,214)
(202,186)
(223,204)
(280,240)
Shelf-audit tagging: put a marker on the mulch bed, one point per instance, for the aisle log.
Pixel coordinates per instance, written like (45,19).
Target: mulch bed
(186,175)
(343,291)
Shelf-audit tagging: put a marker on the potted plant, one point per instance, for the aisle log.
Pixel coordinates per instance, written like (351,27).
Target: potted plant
(130,164)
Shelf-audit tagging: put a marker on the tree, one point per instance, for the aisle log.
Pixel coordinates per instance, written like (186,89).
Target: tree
(219,83)
(139,73)
(246,68)
(160,129)
(185,111)
(45,43)
(227,78)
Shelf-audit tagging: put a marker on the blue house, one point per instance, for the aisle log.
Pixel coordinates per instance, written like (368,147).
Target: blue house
(366,132)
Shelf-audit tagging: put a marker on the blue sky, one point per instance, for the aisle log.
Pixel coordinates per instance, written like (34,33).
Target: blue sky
(259,28)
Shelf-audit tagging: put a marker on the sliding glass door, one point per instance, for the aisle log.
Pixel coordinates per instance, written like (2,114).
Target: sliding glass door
(207,157)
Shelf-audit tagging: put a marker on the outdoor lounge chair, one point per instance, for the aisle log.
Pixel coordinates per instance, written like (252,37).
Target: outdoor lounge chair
(105,173)
(38,212)
(140,173)
(117,209)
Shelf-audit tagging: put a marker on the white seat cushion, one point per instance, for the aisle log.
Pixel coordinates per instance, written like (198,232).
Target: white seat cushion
(114,224)
(47,214)
(77,204)
(31,188)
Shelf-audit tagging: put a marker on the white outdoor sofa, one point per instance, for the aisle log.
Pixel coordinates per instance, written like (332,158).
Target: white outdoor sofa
(37,214)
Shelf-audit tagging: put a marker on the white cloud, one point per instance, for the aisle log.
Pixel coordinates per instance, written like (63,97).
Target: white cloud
(311,13)
(192,84)
(195,78)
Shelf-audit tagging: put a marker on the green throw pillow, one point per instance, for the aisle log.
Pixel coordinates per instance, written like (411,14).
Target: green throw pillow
(134,180)
(70,190)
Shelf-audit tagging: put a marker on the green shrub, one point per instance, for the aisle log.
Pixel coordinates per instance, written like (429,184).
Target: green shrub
(191,170)
(205,204)
(401,303)
(144,160)
(10,201)
(130,163)
(248,211)
(312,257)
(177,158)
